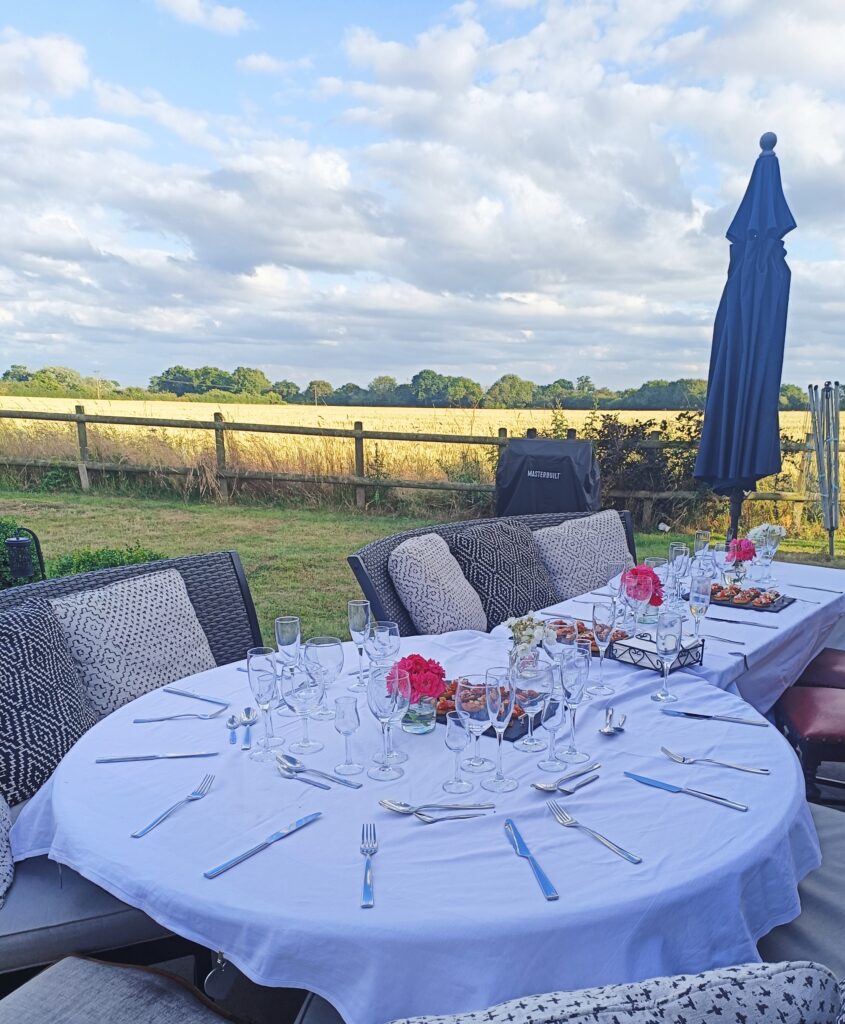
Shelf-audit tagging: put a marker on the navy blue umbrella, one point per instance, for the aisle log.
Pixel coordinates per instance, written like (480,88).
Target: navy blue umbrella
(740,441)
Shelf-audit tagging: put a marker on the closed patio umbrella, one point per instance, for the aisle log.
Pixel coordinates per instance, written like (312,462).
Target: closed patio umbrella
(740,440)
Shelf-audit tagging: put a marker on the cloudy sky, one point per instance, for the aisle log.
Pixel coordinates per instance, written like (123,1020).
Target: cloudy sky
(342,188)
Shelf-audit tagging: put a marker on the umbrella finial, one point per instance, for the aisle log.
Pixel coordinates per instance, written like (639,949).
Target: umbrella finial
(768,141)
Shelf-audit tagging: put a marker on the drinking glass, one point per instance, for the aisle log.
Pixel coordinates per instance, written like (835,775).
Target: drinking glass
(679,563)
(661,568)
(768,548)
(560,641)
(501,697)
(288,638)
(358,618)
(326,652)
(551,720)
(388,697)
(471,705)
(699,599)
(719,551)
(261,668)
(533,685)
(576,672)
(382,641)
(604,621)
(701,544)
(457,738)
(346,721)
(638,591)
(668,641)
(614,574)
(302,690)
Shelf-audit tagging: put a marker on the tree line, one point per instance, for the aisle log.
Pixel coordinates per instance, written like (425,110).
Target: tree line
(427,388)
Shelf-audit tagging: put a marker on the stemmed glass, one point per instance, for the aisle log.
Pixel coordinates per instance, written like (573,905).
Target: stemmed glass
(501,697)
(701,544)
(471,705)
(533,686)
(559,641)
(637,589)
(457,739)
(382,641)
(302,690)
(288,637)
(346,722)
(699,599)
(668,642)
(551,720)
(720,558)
(576,672)
(326,652)
(768,547)
(388,697)
(261,667)
(604,621)
(679,563)
(615,571)
(358,618)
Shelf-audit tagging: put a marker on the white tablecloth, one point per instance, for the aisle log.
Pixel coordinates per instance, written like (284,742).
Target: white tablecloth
(459,922)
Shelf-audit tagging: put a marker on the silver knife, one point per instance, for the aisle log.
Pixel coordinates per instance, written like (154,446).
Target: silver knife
(275,837)
(739,622)
(585,770)
(823,590)
(196,696)
(151,757)
(670,788)
(333,778)
(714,718)
(724,640)
(518,843)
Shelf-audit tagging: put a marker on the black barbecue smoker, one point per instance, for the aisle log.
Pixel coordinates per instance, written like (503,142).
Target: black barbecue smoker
(546,475)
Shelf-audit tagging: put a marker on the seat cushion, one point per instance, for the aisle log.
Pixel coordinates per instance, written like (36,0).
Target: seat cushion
(7,865)
(818,933)
(81,991)
(826,669)
(44,706)
(133,636)
(500,561)
(578,553)
(51,911)
(788,993)
(432,587)
(814,713)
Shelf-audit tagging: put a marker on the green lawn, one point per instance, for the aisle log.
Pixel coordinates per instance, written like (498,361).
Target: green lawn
(295,560)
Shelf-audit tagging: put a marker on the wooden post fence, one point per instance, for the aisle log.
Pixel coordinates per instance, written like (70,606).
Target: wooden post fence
(82,439)
(360,464)
(220,454)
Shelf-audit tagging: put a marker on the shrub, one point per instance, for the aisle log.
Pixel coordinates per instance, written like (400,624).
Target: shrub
(87,559)
(7,529)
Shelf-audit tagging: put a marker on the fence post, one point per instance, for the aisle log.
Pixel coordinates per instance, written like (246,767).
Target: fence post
(803,474)
(531,432)
(82,438)
(571,433)
(503,433)
(220,452)
(360,466)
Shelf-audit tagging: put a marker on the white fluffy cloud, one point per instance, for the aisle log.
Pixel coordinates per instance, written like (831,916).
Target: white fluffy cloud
(216,17)
(264,64)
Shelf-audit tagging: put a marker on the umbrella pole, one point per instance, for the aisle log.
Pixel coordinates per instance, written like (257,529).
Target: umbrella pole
(736,512)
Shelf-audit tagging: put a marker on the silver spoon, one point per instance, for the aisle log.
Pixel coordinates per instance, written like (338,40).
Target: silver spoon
(570,789)
(286,773)
(620,725)
(430,819)
(400,807)
(607,729)
(551,787)
(293,764)
(233,722)
(249,716)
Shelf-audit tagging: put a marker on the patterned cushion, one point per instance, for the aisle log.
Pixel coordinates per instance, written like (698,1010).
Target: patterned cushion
(7,865)
(133,636)
(788,993)
(578,553)
(501,562)
(44,708)
(432,587)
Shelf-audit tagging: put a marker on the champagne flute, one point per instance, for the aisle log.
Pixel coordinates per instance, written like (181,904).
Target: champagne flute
(358,618)
(471,705)
(327,653)
(668,643)
(699,599)
(551,720)
(388,697)
(576,672)
(769,544)
(720,558)
(303,690)
(457,738)
(679,560)
(604,620)
(346,722)
(261,668)
(533,686)
(701,544)
(288,638)
(614,576)
(501,697)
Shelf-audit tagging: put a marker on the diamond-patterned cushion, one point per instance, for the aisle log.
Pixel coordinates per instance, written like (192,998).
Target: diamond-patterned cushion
(7,865)
(500,561)
(133,636)
(578,553)
(432,587)
(44,708)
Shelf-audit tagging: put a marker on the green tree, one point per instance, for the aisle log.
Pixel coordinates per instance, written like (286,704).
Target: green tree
(428,387)
(57,378)
(286,390)
(585,385)
(382,386)
(510,392)
(17,373)
(793,397)
(176,380)
(348,394)
(317,391)
(249,381)
(462,392)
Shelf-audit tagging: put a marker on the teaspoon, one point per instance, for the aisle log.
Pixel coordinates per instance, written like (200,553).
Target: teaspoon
(233,722)
(249,716)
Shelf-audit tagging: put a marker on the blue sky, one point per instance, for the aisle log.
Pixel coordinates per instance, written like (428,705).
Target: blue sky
(349,189)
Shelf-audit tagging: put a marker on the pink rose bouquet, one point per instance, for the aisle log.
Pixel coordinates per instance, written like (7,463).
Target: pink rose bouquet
(634,582)
(428,677)
(740,551)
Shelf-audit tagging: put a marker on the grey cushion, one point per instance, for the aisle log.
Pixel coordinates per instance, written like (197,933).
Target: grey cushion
(818,933)
(500,560)
(432,587)
(578,553)
(133,636)
(79,991)
(7,865)
(788,993)
(49,914)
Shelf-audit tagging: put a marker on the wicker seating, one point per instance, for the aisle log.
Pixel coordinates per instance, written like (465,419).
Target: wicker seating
(370,562)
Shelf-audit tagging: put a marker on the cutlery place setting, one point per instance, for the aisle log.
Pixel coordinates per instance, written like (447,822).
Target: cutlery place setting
(431,814)
(291,767)
(669,787)
(196,794)
(222,706)
(566,784)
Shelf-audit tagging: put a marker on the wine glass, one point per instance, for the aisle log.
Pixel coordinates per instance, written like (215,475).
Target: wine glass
(288,638)
(471,705)
(638,590)
(719,551)
(346,722)
(326,652)
(358,618)
(576,672)
(382,641)
(668,642)
(614,576)
(679,562)
(768,546)
(501,697)
(457,739)
(533,685)
(388,697)
(699,599)
(559,641)
(261,668)
(604,621)
(551,720)
(701,544)
(302,690)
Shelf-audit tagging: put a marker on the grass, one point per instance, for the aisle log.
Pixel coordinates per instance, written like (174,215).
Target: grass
(295,560)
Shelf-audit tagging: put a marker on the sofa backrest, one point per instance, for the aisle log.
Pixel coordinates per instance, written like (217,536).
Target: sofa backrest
(370,562)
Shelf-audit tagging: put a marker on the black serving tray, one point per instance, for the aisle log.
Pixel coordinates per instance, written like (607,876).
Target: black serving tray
(778,606)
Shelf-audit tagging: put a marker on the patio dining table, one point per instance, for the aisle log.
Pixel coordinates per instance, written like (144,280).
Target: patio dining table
(459,922)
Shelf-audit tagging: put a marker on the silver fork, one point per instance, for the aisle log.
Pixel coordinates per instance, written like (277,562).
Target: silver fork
(682,759)
(431,819)
(369,848)
(174,718)
(566,819)
(197,794)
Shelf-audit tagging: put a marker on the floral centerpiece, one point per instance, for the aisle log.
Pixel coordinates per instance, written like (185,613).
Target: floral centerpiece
(636,580)
(740,552)
(428,681)
(527,633)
